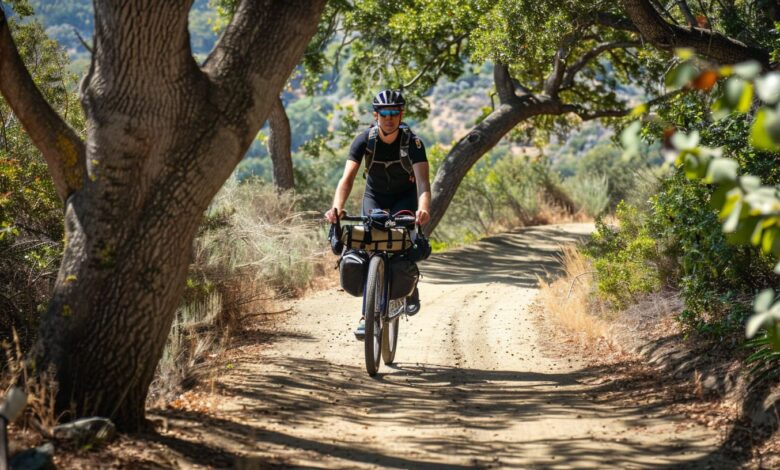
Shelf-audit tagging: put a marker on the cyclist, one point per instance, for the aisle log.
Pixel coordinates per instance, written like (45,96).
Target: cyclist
(396,172)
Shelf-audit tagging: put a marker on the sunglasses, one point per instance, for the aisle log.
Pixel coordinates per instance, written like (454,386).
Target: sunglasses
(389,112)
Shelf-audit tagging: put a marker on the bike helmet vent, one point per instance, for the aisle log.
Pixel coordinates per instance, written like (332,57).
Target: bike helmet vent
(387,98)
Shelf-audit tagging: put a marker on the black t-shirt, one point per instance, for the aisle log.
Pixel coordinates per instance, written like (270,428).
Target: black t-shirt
(391,179)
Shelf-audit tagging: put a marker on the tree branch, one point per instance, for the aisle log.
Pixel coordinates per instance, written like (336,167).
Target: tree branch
(504,84)
(713,45)
(588,115)
(553,83)
(592,54)
(61,147)
(686,11)
(614,22)
(435,59)
(256,54)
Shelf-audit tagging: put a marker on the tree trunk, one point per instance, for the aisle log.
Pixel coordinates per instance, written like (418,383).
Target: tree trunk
(162,138)
(483,137)
(279,147)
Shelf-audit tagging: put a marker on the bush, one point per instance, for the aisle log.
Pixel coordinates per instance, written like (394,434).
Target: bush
(716,279)
(589,192)
(625,259)
(496,195)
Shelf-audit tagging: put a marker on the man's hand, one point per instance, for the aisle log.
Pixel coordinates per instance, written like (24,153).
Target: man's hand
(331,215)
(422,217)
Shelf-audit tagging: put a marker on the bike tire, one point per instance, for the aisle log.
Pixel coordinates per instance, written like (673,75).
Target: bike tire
(372,312)
(390,340)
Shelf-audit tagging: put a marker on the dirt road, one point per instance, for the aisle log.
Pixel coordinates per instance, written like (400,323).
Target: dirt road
(472,387)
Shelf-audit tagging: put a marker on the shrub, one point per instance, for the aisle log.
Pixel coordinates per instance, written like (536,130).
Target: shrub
(590,192)
(625,259)
(716,279)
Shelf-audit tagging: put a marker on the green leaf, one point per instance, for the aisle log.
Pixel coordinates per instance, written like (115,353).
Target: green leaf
(731,222)
(755,322)
(733,91)
(745,230)
(769,239)
(745,99)
(681,75)
(768,88)
(681,141)
(765,130)
(749,182)
(722,170)
(763,300)
(748,70)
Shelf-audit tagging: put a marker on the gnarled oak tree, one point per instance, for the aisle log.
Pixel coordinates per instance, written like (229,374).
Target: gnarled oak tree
(163,134)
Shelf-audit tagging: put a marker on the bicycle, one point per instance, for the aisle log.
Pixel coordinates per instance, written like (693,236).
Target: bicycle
(381,313)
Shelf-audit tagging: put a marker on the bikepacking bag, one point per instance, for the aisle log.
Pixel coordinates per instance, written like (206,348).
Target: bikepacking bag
(403,277)
(353,268)
(358,237)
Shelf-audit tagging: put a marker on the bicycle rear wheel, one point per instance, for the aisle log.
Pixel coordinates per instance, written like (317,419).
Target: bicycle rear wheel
(372,312)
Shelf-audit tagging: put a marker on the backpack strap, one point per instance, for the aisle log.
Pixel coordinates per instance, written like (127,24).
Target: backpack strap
(368,157)
(403,158)
(406,160)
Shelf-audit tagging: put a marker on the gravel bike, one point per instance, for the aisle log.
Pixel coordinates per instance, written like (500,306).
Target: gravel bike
(381,313)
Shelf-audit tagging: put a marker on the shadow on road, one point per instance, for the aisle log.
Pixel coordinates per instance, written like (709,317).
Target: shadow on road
(495,259)
(421,397)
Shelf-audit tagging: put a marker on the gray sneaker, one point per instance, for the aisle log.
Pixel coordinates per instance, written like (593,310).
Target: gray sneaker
(360,331)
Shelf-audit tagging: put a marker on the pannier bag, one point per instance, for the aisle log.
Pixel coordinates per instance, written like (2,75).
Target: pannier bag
(403,277)
(353,268)
(358,237)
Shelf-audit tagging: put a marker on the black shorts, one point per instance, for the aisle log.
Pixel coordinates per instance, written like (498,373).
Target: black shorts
(391,203)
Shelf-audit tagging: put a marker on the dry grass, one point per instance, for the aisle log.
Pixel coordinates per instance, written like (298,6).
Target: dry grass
(253,248)
(569,301)
(41,389)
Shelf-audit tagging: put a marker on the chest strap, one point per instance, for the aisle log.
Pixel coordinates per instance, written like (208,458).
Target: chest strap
(403,154)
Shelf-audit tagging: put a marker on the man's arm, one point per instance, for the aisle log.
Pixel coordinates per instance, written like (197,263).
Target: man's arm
(343,189)
(421,175)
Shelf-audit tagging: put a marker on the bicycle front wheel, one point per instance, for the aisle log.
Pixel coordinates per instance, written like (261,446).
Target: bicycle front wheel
(389,340)
(372,312)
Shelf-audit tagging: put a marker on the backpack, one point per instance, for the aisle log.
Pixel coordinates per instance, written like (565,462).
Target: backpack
(403,158)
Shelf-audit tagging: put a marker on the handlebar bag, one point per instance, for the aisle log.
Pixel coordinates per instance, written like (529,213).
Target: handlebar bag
(403,277)
(358,237)
(353,268)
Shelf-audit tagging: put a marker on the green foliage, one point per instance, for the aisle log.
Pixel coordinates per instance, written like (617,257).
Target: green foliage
(590,191)
(625,259)
(750,211)
(496,194)
(714,276)
(31,228)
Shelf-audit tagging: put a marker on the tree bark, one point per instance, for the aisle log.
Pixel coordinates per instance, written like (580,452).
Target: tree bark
(163,135)
(708,43)
(279,147)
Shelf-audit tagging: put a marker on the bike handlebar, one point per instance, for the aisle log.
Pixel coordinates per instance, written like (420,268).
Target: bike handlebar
(403,220)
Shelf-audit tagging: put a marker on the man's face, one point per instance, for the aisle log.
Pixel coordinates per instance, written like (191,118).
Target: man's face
(389,118)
